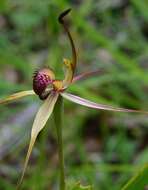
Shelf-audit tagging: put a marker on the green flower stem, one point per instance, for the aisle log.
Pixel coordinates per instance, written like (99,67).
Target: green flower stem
(58,117)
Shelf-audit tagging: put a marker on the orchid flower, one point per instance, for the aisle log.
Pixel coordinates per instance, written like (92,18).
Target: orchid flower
(49,89)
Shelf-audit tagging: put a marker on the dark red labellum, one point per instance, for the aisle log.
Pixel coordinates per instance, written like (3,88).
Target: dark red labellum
(41,80)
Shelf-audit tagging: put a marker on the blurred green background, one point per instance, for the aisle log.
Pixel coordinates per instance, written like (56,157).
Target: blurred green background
(102,149)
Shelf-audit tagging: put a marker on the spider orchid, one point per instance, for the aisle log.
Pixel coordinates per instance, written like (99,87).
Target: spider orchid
(45,78)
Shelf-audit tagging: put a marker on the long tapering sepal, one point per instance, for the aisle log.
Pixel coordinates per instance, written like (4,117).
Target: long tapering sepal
(40,120)
(90,104)
(16,96)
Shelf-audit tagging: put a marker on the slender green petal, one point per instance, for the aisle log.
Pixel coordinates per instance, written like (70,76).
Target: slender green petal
(90,104)
(16,96)
(40,120)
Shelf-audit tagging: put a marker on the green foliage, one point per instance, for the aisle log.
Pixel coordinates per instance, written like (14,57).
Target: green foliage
(139,181)
(78,186)
(72,185)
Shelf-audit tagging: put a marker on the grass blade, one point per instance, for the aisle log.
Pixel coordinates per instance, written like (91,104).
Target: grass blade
(139,181)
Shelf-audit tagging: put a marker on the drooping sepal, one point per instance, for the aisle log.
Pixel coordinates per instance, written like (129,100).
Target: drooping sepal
(40,120)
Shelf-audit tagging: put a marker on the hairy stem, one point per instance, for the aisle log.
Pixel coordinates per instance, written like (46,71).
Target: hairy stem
(58,116)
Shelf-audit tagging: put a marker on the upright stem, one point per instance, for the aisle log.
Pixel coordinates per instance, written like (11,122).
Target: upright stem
(58,115)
